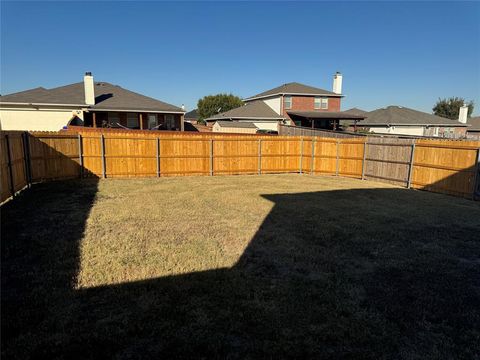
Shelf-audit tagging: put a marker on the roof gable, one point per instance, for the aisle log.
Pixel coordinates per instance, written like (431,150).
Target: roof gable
(293,88)
(255,109)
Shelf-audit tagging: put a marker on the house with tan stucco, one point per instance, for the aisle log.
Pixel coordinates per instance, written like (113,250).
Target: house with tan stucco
(88,103)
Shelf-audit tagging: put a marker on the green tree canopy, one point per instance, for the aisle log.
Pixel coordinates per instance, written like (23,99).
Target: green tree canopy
(449,108)
(214,104)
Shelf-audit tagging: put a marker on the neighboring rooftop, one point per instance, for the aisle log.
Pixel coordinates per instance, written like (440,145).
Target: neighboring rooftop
(251,110)
(107,97)
(474,123)
(236,124)
(327,115)
(399,115)
(356,111)
(293,88)
(192,114)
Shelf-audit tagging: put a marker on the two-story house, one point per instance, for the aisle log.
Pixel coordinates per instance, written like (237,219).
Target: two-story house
(292,104)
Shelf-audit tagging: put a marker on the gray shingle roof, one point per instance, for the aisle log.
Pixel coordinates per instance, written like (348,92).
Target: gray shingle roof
(294,88)
(398,115)
(474,123)
(356,111)
(236,124)
(251,110)
(107,97)
(327,115)
(193,114)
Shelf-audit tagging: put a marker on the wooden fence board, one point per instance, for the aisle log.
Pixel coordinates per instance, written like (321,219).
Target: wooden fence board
(442,166)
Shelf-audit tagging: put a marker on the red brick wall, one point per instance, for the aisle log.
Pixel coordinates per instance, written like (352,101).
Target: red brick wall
(306,103)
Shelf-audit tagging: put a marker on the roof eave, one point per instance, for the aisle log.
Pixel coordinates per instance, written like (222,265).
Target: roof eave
(292,93)
(245,118)
(428,125)
(136,110)
(40,104)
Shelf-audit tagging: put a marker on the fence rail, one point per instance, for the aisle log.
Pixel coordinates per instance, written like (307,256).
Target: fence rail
(450,167)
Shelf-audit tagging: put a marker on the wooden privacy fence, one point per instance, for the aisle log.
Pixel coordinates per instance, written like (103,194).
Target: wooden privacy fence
(449,167)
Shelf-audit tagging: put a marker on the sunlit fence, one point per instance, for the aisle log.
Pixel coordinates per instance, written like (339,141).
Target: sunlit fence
(450,167)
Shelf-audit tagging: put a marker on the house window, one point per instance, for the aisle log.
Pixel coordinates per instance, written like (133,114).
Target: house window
(113,119)
(320,103)
(132,121)
(324,103)
(152,121)
(170,121)
(288,102)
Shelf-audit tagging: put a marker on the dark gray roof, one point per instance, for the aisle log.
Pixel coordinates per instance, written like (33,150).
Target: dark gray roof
(356,111)
(474,123)
(192,114)
(327,115)
(107,97)
(251,110)
(236,124)
(294,88)
(399,115)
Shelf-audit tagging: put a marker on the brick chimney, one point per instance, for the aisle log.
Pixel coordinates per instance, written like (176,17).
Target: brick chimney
(89,89)
(337,83)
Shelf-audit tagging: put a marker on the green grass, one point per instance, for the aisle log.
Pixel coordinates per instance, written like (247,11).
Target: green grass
(278,266)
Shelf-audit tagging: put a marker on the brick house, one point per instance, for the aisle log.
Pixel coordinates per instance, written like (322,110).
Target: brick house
(292,104)
(87,103)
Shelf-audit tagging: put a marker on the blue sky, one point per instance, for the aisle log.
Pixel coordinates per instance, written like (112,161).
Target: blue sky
(400,53)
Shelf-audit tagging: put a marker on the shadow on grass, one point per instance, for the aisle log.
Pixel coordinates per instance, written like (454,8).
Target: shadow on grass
(377,273)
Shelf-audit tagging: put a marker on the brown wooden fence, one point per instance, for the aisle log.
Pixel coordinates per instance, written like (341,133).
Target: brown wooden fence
(441,166)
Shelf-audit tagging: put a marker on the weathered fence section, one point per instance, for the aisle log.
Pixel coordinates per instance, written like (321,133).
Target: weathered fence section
(290,130)
(388,160)
(450,167)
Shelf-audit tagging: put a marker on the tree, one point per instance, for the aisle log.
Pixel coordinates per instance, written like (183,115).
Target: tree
(213,104)
(449,108)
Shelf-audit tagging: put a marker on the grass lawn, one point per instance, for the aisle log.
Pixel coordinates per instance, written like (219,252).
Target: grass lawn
(276,266)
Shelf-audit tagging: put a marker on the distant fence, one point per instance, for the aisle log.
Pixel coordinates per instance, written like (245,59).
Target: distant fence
(289,130)
(450,167)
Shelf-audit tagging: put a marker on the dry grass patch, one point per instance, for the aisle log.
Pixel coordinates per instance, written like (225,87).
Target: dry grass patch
(239,267)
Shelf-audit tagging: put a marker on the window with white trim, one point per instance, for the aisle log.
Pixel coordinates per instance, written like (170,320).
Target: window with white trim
(320,103)
(324,104)
(132,121)
(287,101)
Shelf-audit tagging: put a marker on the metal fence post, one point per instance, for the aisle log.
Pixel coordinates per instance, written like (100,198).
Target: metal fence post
(211,157)
(158,157)
(410,167)
(80,154)
(364,158)
(338,158)
(301,155)
(9,164)
(259,156)
(312,165)
(104,168)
